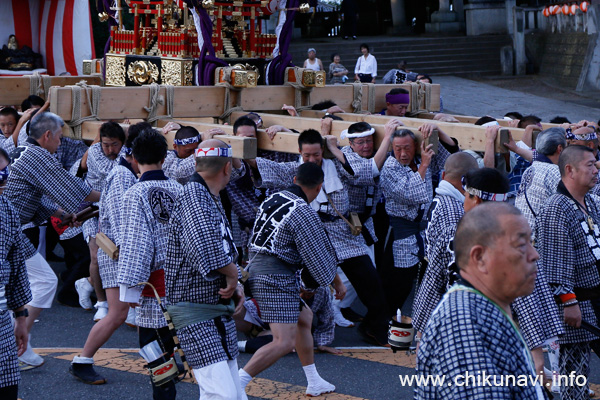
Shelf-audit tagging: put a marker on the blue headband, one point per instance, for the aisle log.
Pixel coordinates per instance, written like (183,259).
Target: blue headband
(186,141)
(4,174)
(483,195)
(128,150)
(582,136)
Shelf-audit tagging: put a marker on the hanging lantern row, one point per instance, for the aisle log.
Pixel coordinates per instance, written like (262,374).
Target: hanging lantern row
(566,9)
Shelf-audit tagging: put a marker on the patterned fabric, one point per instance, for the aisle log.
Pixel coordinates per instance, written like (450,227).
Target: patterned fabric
(146,209)
(69,151)
(565,254)
(278,297)
(280,175)
(406,195)
(13,278)
(538,183)
(99,166)
(444,214)
(8,144)
(118,181)
(38,185)
(538,315)
(575,357)
(179,169)
(362,197)
(199,243)
(516,175)
(321,306)
(463,334)
(288,228)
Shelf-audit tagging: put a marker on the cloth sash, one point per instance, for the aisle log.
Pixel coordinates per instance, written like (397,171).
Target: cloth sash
(157,279)
(185,313)
(403,228)
(265,264)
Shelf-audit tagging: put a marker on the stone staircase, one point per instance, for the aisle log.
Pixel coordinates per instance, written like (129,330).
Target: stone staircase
(460,55)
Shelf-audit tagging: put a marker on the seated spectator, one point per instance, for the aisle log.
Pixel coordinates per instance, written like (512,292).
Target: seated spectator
(396,75)
(338,74)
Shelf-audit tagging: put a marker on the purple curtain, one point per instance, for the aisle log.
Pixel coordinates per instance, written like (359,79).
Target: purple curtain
(207,62)
(283,60)
(104,6)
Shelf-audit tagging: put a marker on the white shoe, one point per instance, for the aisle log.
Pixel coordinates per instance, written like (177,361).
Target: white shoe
(339,319)
(29,359)
(102,307)
(84,290)
(130,321)
(321,388)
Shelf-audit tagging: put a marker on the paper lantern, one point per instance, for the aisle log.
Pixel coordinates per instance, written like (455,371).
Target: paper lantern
(554,10)
(565,9)
(584,6)
(573,8)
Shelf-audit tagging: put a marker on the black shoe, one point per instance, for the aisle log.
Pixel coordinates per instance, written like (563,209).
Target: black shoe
(86,374)
(371,337)
(351,315)
(353,37)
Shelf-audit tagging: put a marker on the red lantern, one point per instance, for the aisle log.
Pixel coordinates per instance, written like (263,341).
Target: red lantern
(554,10)
(546,12)
(565,9)
(584,6)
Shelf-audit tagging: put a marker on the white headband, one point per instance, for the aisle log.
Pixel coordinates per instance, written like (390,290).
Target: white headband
(355,135)
(491,123)
(214,152)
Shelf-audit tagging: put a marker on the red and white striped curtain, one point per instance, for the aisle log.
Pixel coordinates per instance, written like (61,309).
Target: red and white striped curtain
(60,30)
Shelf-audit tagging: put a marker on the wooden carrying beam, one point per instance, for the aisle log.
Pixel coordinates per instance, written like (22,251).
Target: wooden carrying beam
(243,147)
(15,89)
(471,137)
(471,120)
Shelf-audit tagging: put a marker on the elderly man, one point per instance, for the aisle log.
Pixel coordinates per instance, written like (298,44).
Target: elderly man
(568,240)
(39,187)
(289,236)
(539,181)
(397,101)
(201,274)
(471,336)
(406,182)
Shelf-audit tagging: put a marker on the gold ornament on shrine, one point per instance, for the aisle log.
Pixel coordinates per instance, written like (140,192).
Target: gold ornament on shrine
(208,4)
(142,72)
(103,16)
(304,8)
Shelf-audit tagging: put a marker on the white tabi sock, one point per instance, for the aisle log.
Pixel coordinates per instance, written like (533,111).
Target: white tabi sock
(312,376)
(244,379)
(82,360)
(242,346)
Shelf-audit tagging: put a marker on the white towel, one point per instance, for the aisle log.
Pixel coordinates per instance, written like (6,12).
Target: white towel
(331,183)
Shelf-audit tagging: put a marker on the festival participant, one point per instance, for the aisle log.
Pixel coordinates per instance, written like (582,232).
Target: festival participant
(289,236)
(146,209)
(406,183)
(9,118)
(118,181)
(566,232)
(100,159)
(4,171)
(497,264)
(397,101)
(539,181)
(443,215)
(332,205)
(201,275)
(14,295)
(39,187)
(180,163)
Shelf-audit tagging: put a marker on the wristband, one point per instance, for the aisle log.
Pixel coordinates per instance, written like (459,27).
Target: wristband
(571,303)
(22,313)
(566,297)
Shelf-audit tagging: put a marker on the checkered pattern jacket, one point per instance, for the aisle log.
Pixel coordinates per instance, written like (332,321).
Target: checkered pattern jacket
(444,214)
(119,180)
(538,183)
(406,193)
(146,209)
(69,151)
(14,284)
(199,243)
(280,175)
(566,254)
(38,185)
(466,332)
(179,169)
(99,166)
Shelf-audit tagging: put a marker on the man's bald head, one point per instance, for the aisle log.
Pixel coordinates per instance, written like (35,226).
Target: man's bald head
(457,165)
(480,227)
(572,156)
(212,165)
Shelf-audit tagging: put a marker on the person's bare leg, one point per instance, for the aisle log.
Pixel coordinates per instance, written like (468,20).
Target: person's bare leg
(284,337)
(34,313)
(304,338)
(95,271)
(103,329)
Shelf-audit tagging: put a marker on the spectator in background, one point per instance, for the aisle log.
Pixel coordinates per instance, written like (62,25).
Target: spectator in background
(391,76)
(350,17)
(338,74)
(366,66)
(312,62)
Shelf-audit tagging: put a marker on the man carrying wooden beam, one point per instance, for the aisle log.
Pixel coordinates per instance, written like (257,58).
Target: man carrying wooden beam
(397,101)
(332,205)
(39,187)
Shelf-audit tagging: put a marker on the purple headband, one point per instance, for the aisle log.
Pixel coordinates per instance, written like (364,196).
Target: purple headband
(400,98)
